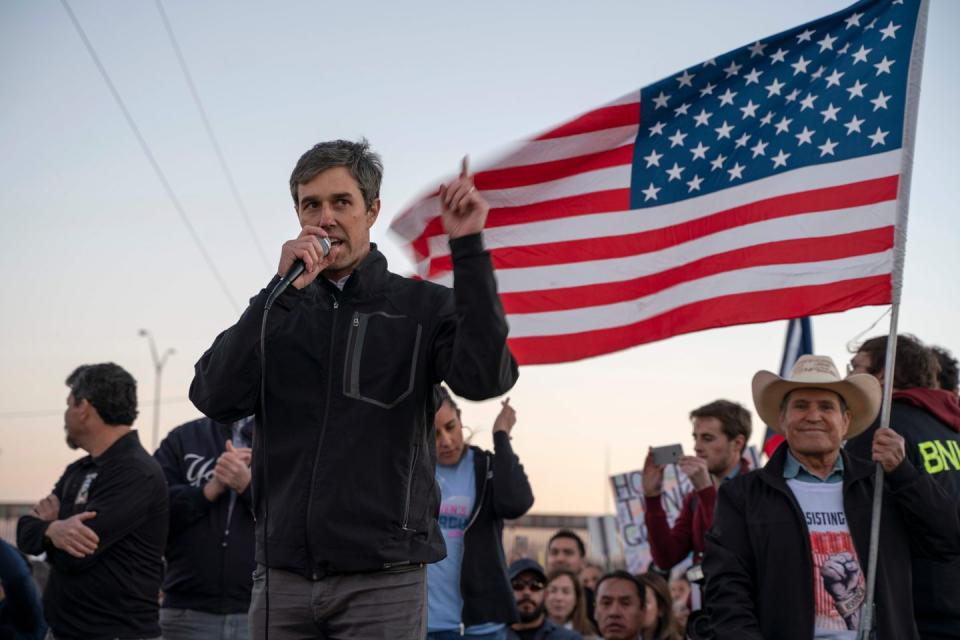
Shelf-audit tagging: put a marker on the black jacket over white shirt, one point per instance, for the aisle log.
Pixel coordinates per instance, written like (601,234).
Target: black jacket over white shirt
(349,436)
(503,492)
(758,562)
(211,544)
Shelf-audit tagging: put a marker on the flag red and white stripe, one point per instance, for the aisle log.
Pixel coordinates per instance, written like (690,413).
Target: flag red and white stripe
(582,272)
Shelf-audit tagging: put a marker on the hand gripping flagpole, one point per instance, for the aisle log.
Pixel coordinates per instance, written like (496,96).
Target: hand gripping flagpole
(867,616)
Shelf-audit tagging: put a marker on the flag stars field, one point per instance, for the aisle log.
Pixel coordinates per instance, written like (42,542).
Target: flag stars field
(785,78)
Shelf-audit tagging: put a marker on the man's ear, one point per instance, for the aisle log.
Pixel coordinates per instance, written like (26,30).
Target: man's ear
(85,409)
(373,212)
(846,423)
(742,441)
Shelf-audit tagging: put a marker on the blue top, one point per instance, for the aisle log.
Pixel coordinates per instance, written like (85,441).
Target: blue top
(458,493)
(793,470)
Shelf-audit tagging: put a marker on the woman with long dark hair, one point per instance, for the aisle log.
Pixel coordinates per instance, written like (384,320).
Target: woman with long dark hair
(659,621)
(468,592)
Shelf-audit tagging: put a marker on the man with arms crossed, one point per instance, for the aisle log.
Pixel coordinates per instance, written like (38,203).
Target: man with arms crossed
(105,524)
(343,463)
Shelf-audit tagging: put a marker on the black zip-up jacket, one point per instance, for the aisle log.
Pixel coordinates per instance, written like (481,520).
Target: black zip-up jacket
(211,544)
(933,446)
(758,563)
(111,593)
(349,388)
(503,492)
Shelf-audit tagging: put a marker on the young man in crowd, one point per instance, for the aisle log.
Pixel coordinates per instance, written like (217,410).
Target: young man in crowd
(566,550)
(529,582)
(928,419)
(210,551)
(787,553)
(721,430)
(104,527)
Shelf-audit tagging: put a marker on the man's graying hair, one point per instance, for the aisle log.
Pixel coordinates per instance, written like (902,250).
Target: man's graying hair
(364,165)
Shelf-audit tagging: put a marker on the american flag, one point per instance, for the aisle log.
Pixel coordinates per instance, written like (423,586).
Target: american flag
(769,182)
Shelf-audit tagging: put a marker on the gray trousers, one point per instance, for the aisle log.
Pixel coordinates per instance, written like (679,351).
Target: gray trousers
(188,624)
(388,605)
(50,636)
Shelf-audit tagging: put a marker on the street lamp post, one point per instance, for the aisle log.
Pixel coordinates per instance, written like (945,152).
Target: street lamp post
(158,363)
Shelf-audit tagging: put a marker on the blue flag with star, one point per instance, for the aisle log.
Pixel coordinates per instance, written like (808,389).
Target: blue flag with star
(829,90)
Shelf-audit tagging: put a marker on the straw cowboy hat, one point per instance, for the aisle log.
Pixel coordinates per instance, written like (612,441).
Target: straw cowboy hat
(861,391)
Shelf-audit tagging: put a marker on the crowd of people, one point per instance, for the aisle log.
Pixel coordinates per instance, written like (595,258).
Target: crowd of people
(332,491)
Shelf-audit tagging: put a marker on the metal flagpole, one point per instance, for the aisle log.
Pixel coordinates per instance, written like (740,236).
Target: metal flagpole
(867,612)
(867,616)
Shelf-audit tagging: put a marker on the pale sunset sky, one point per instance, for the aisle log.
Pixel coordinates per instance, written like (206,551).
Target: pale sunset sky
(92,250)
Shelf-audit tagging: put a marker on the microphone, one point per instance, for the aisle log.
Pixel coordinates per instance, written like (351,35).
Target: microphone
(298,268)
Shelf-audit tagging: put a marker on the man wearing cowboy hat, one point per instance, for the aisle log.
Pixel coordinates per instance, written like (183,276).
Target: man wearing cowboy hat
(786,557)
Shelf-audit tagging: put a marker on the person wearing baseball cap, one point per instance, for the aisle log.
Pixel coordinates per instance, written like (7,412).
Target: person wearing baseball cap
(786,557)
(528,581)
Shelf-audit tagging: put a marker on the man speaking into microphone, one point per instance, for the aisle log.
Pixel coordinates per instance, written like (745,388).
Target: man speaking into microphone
(344,457)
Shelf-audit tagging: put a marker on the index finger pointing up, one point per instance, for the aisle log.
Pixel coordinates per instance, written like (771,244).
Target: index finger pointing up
(464,168)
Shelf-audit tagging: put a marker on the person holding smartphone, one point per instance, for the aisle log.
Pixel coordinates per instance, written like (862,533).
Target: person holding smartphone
(721,430)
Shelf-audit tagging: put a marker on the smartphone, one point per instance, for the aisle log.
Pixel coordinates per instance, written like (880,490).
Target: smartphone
(668,454)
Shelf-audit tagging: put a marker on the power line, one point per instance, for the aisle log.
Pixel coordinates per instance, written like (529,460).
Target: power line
(213,138)
(150,158)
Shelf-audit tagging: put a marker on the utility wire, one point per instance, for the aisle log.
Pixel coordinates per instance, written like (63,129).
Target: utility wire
(213,138)
(153,162)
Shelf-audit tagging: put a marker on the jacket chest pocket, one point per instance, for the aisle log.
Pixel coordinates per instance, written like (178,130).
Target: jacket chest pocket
(381,360)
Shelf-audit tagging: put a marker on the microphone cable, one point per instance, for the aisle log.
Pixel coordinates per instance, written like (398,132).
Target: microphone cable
(262,424)
(281,286)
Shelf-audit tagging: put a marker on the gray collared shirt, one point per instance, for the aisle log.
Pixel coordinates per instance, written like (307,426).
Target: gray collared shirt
(793,470)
